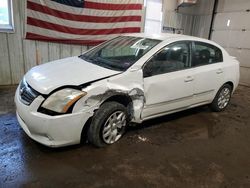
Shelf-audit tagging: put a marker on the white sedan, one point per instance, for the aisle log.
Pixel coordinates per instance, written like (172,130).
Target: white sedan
(131,78)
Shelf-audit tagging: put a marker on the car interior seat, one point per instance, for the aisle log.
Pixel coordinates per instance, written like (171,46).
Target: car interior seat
(204,56)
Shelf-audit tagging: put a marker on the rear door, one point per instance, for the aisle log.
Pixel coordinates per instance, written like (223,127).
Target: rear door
(207,65)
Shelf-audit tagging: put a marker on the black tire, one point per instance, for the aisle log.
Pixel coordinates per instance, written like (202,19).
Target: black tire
(100,118)
(216,105)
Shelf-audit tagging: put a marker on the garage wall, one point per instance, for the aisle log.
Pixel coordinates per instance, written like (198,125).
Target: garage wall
(18,55)
(176,19)
(195,20)
(201,14)
(231,29)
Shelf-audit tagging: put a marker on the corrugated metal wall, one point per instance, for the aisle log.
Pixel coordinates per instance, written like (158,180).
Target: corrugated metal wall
(18,55)
(195,20)
(232,31)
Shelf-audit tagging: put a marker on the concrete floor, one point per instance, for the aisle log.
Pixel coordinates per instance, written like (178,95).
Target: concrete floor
(195,148)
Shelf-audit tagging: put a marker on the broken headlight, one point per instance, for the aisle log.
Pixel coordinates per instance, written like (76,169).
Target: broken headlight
(62,100)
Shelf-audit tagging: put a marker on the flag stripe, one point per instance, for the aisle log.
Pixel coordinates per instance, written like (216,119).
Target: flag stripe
(76,24)
(82,18)
(33,36)
(118,1)
(60,35)
(106,6)
(86,11)
(61,28)
(74,3)
(95,22)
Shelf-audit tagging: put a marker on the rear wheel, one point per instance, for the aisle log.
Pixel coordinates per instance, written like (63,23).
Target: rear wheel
(222,98)
(108,124)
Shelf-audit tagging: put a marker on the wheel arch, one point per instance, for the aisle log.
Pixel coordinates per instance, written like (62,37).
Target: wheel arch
(121,98)
(215,103)
(230,83)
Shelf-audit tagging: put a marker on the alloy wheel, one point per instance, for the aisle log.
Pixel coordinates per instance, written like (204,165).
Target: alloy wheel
(224,98)
(114,127)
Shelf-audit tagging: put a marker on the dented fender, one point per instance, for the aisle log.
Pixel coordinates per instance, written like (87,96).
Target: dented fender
(101,91)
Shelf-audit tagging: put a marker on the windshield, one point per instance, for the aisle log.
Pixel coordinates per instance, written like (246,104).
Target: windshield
(120,53)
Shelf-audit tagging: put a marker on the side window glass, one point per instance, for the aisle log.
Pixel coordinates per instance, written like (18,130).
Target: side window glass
(173,57)
(205,54)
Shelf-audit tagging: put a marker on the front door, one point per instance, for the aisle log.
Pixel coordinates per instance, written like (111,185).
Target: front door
(168,80)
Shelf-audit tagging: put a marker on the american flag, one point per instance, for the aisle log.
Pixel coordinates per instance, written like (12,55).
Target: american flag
(88,22)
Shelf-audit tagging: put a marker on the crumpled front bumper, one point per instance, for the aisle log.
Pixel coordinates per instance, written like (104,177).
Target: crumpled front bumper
(52,131)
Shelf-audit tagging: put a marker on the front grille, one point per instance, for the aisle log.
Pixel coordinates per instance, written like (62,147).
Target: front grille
(27,93)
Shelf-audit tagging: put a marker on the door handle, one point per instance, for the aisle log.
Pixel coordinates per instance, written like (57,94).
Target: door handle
(189,79)
(219,71)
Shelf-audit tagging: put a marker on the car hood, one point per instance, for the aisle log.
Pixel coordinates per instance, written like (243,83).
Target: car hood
(72,71)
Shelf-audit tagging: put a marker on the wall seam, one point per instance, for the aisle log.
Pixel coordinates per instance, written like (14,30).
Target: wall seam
(8,48)
(22,24)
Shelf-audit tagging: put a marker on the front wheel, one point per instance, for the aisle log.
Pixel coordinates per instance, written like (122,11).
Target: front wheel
(108,124)
(222,98)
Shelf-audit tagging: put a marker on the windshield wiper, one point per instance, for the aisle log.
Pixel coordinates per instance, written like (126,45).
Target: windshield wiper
(108,64)
(100,62)
(89,59)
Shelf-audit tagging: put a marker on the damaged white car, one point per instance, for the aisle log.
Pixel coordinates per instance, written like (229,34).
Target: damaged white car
(130,78)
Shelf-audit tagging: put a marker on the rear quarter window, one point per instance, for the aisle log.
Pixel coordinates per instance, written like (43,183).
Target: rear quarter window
(204,54)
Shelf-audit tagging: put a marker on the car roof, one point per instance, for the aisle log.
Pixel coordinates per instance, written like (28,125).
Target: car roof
(159,36)
(168,36)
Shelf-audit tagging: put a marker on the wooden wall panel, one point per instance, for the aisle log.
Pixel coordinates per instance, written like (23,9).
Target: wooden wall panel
(76,50)
(84,48)
(54,51)
(42,52)
(65,50)
(29,54)
(18,55)
(5,72)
